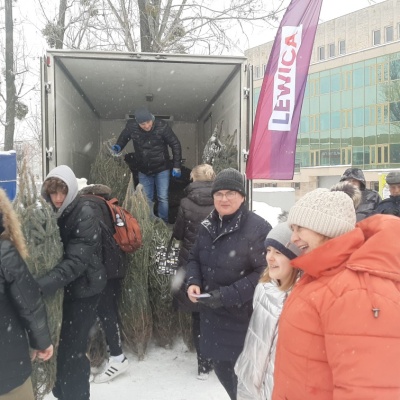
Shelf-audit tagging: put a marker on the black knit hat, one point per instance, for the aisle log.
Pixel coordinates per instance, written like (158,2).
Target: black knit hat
(142,115)
(229,179)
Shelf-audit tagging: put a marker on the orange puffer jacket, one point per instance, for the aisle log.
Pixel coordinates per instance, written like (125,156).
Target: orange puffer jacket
(339,332)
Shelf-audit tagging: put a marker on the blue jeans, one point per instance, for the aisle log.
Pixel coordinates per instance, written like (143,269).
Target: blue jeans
(161,182)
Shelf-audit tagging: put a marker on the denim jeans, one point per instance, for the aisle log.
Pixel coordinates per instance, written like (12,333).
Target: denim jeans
(161,182)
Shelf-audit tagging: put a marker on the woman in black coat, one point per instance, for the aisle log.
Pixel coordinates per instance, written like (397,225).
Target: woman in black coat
(224,265)
(194,208)
(23,320)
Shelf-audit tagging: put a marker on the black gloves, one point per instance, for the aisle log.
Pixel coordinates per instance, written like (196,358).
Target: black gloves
(214,301)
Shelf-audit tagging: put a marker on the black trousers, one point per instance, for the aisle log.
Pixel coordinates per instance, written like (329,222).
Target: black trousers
(107,311)
(225,371)
(73,366)
(204,365)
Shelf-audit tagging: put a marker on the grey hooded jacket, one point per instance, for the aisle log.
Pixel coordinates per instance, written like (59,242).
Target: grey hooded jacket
(81,271)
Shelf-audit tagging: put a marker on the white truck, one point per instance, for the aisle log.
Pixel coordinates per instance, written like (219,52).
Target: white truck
(88,96)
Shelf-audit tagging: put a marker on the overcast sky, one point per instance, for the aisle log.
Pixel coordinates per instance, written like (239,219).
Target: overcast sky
(331,9)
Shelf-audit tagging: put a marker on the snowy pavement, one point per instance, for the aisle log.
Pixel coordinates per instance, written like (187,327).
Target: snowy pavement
(164,374)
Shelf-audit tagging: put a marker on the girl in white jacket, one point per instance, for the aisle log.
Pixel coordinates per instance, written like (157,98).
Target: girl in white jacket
(255,366)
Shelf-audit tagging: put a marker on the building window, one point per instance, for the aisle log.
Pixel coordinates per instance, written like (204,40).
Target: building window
(331,50)
(264,67)
(257,72)
(346,118)
(321,53)
(382,72)
(388,34)
(314,123)
(376,37)
(382,113)
(296,185)
(342,47)
(347,80)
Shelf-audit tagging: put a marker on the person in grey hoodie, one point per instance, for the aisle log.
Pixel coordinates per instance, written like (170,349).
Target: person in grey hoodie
(255,365)
(82,276)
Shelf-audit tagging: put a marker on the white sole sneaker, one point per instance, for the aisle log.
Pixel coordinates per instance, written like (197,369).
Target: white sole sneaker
(113,369)
(203,376)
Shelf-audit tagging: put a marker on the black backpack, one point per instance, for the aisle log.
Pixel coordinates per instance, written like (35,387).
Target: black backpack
(114,259)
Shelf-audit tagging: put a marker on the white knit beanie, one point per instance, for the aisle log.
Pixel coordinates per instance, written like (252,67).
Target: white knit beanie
(329,213)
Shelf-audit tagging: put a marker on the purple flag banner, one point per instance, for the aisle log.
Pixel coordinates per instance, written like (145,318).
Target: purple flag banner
(273,143)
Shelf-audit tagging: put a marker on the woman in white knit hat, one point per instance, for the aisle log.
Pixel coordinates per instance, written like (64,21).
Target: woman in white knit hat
(339,332)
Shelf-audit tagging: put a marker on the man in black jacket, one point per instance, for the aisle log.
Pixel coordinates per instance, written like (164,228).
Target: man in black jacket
(82,275)
(369,200)
(151,138)
(391,205)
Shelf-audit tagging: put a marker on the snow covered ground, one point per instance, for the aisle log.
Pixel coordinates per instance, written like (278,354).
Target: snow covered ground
(164,374)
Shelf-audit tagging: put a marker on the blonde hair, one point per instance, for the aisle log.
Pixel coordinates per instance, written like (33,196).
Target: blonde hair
(11,225)
(202,172)
(265,278)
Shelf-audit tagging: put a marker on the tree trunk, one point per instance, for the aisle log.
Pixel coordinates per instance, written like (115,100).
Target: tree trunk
(145,35)
(10,79)
(61,24)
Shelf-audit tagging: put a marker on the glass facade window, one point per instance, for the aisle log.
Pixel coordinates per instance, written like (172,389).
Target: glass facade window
(382,113)
(370,115)
(321,53)
(324,122)
(351,115)
(335,83)
(335,120)
(358,77)
(395,153)
(331,50)
(376,37)
(342,47)
(388,34)
(346,119)
(346,80)
(325,85)
(394,70)
(370,75)
(358,117)
(358,155)
(395,111)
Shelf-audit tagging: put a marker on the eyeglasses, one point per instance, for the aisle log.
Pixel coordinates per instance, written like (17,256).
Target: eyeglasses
(229,195)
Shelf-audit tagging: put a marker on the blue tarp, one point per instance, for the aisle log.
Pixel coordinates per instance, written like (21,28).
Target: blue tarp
(8,173)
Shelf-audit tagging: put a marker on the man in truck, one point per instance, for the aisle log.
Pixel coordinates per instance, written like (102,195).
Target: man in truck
(151,138)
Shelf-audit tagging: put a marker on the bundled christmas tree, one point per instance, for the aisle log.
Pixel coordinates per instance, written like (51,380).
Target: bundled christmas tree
(40,229)
(134,305)
(228,156)
(112,171)
(165,319)
(221,151)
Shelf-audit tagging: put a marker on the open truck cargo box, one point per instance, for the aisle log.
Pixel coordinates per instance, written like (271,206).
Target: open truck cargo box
(88,96)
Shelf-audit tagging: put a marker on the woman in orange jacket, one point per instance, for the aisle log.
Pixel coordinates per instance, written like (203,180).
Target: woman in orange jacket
(339,332)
